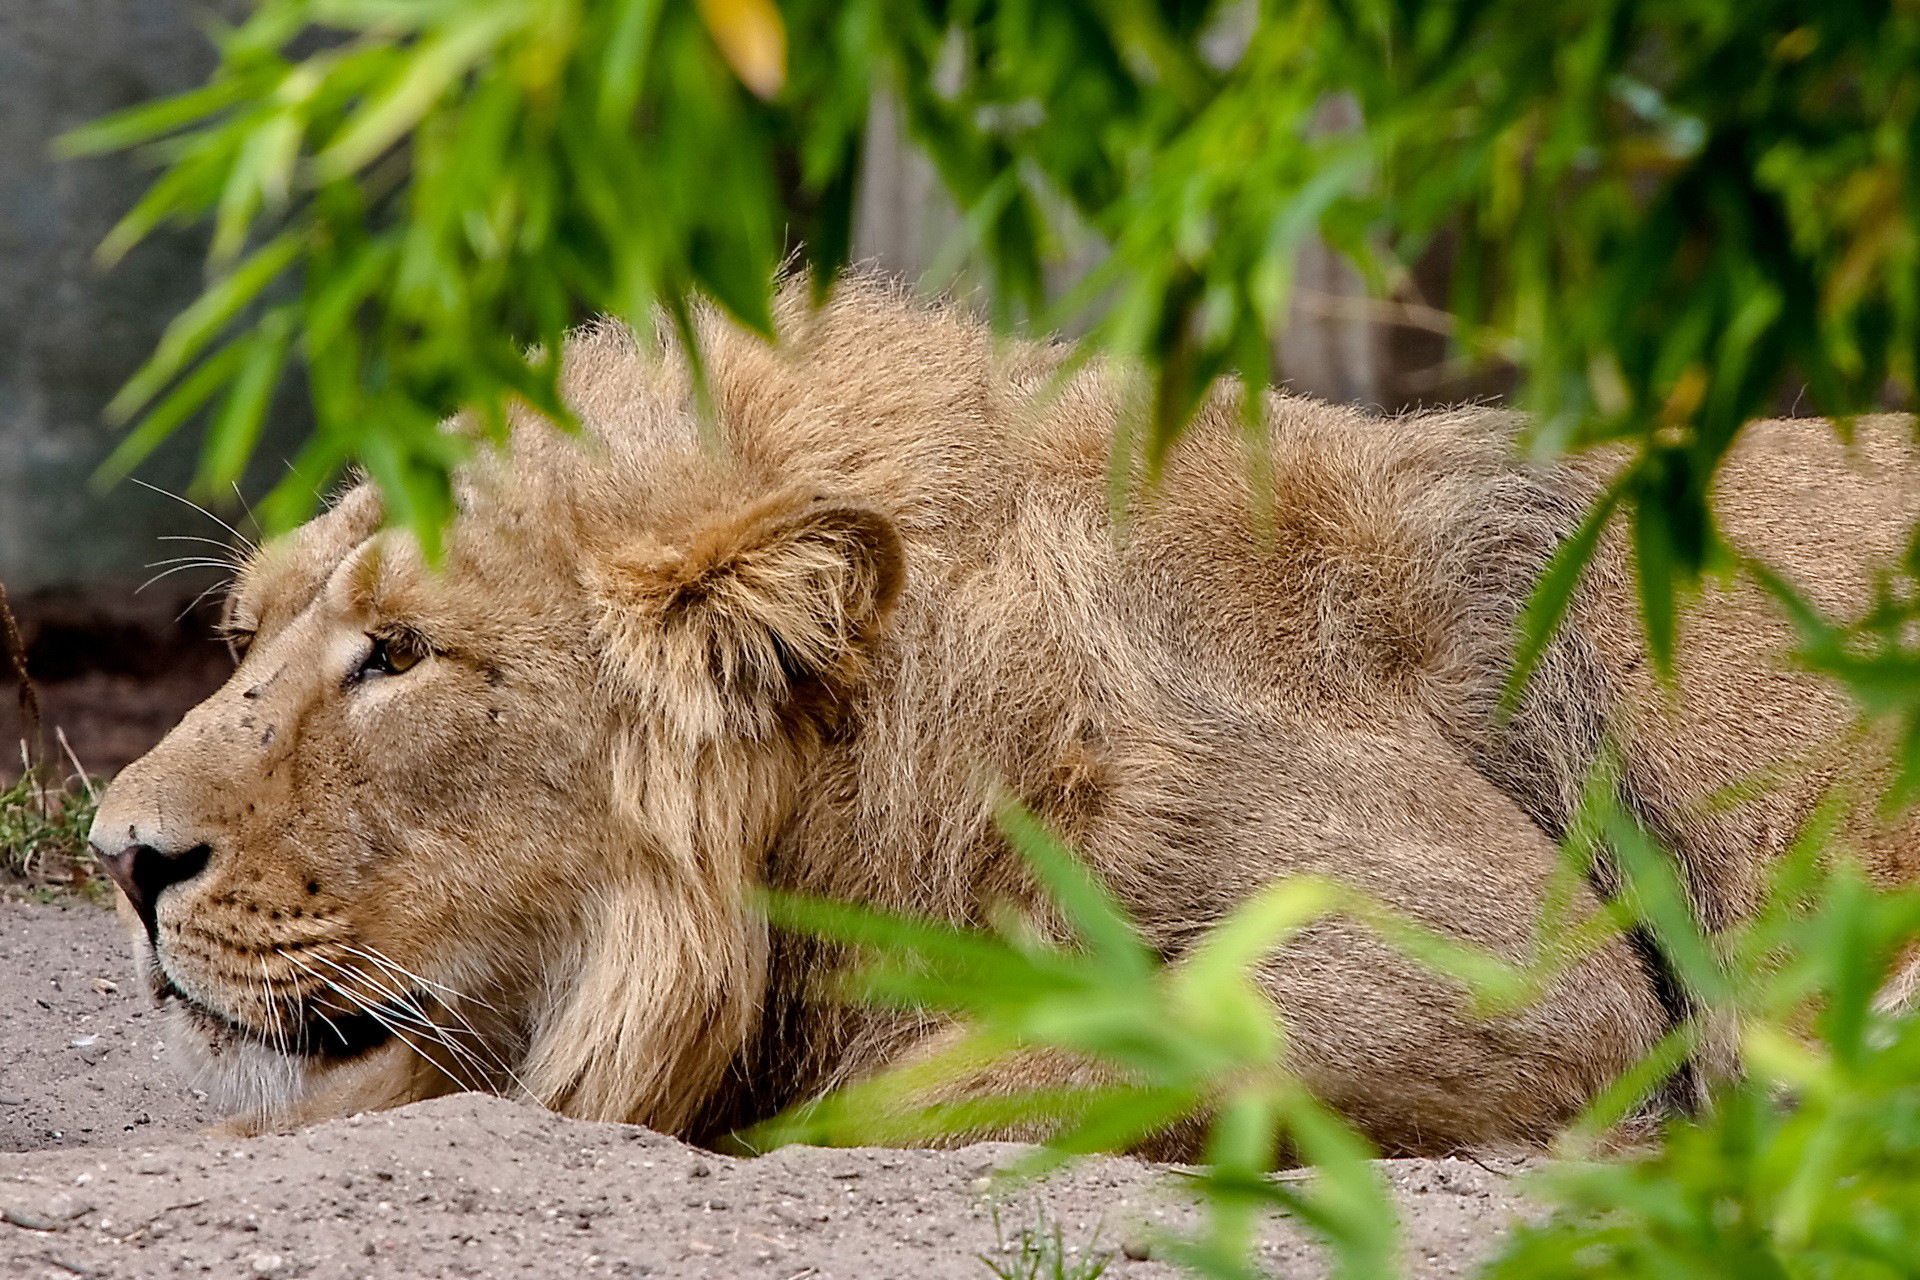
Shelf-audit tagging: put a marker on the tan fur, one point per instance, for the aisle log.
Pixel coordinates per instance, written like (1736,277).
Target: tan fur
(662,673)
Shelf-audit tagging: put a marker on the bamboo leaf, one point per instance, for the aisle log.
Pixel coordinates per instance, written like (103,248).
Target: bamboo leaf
(150,120)
(203,320)
(428,71)
(753,40)
(233,434)
(1552,596)
(166,417)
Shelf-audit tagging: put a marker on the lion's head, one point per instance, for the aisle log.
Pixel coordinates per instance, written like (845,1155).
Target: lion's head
(486,823)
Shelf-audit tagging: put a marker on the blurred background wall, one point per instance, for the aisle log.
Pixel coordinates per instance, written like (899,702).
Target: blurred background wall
(70,332)
(116,667)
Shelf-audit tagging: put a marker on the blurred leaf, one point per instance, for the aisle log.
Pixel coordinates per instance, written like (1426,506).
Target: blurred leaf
(428,73)
(231,438)
(191,330)
(161,421)
(150,120)
(752,39)
(1552,596)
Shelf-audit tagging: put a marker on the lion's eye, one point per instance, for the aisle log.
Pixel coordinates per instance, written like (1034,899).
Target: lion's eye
(390,656)
(239,640)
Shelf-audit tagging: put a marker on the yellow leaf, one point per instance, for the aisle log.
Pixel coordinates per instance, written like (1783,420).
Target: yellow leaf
(752,39)
(1689,389)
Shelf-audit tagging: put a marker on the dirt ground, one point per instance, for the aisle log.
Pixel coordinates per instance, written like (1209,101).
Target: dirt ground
(107,1170)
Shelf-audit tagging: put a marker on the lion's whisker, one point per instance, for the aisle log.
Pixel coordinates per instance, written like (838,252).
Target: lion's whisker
(271,1010)
(426,1027)
(387,962)
(201,560)
(204,593)
(168,573)
(233,557)
(454,1070)
(480,1044)
(301,1004)
(380,958)
(245,541)
(446,1002)
(245,505)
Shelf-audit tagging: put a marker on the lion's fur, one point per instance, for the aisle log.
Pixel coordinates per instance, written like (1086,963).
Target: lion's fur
(666,669)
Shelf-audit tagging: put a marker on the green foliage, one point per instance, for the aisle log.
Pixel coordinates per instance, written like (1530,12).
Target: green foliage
(1192,1042)
(1871,656)
(1674,211)
(1758,1189)
(1195,1040)
(1809,1166)
(43,832)
(1670,214)
(1667,213)
(1037,1253)
(1806,1160)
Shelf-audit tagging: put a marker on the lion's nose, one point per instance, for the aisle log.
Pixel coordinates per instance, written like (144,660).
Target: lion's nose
(144,872)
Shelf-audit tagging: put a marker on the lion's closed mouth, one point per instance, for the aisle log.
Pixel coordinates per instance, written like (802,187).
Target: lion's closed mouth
(335,1037)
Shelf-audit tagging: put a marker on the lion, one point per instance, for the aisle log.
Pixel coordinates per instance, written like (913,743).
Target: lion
(497,822)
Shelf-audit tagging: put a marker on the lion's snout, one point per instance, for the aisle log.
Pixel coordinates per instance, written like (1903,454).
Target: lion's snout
(143,871)
(161,824)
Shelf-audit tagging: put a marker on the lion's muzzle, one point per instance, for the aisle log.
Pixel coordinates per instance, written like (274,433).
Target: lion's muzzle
(144,871)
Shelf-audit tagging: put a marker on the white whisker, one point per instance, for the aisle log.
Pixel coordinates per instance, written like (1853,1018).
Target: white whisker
(168,573)
(189,502)
(447,1002)
(271,1011)
(414,1015)
(231,550)
(365,1006)
(385,961)
(245,505)
(204,593)
(207,561)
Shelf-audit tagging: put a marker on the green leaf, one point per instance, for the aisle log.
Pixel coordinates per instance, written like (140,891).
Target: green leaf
(1552,596)
(1654,559)
(233,434)
(180,191)
(150,120)
(1089,908)
(624,63)
(1660,901)
(166,417)
(428,71)
(189,332)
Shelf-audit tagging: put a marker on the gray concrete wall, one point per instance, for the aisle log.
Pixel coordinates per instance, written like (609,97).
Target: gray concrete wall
(69,332)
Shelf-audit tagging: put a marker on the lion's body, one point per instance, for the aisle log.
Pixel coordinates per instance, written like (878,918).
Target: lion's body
(661,673)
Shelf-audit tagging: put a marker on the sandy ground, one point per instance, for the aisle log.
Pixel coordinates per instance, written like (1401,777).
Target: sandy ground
(106,1169)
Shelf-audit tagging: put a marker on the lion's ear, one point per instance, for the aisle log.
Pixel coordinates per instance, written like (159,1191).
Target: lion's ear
(766,605)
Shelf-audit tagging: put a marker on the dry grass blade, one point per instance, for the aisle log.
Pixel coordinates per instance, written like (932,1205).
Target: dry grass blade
(43,835)
(17,662)
(43,821)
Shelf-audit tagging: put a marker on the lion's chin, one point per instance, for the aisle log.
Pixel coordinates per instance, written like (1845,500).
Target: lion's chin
(238,1072)
(245,1070)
